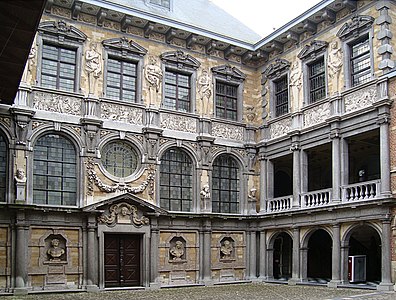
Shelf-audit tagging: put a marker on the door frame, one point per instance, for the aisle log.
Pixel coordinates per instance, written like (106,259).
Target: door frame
(123,229)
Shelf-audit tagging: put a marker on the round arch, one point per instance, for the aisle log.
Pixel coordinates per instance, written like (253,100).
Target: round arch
(281,243)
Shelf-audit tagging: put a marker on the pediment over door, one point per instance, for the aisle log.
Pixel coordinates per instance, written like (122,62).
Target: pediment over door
(124,209)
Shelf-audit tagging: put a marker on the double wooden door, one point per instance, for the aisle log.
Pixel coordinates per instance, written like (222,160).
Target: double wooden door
(122,260)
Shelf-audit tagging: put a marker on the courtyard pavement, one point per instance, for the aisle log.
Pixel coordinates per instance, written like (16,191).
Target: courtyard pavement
(251,291)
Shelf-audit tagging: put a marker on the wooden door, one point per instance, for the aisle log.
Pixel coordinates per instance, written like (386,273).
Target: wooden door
(122,260)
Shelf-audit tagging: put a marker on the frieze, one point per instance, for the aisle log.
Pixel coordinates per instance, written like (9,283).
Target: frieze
(123,213)
(360,99)
(57,103)
(227,131)
(280,128)
(121,113)
(316,115)
(179,123)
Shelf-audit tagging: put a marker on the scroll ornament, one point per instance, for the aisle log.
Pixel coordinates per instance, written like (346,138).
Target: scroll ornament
(123,209)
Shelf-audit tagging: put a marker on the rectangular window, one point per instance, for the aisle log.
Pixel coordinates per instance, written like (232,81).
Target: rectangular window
(317,82)
(226,101)
(360,62)
(281,97)
(164,3)
(121,80)
(177,91)
(58,70)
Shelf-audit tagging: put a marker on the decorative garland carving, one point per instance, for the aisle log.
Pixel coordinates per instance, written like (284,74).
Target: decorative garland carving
(121,113)
(151,180)
(360,99)
(227,131)
(179,123)
(93,178)
(57,103)
(125,210)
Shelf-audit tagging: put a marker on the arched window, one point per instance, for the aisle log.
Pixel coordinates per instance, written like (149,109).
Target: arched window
(3,168)
(54,171)
(225,185)
(176,180)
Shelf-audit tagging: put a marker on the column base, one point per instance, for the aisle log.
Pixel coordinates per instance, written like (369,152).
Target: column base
(385,287)
(20,291)
(207,282)
(92,288)
(334,283)
(293,281)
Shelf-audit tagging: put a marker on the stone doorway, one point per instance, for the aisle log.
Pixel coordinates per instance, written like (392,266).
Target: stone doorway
(122,260)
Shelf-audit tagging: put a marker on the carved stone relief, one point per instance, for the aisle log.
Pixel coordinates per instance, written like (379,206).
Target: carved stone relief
(177,250)
(121,113)
(280,128)
(250,114)
(123,213)
(57,103)
(295,81)
(227,249)
(55,249)
(179,123)
(316,115)
(360,99)
(227,131)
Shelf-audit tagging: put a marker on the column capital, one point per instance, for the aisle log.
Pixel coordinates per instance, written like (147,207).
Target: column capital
(295,146)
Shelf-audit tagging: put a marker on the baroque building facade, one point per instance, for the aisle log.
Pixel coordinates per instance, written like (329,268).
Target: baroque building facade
(144,149)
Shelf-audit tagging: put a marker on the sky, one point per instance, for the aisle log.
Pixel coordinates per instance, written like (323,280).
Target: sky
(264,16)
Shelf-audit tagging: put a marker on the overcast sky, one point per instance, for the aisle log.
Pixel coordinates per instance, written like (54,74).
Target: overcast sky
(264,15)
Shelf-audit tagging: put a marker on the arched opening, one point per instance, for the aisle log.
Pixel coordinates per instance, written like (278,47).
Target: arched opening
(319,257)
(282,262)
(365,241)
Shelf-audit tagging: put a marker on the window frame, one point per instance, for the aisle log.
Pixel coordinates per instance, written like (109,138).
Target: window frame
(185,64)
(231,76)
(7,169)
(78,171)
(124,50)
(350,46)
(60,35)
(274,84)
(190,100)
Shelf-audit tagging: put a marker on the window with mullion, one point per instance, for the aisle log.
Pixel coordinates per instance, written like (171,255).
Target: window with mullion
(226,101)
(177,91)
(317,81)
(54,171)
(176,180)
(58,68)
(225,185)
(360,62)
(121,80)
(281,97)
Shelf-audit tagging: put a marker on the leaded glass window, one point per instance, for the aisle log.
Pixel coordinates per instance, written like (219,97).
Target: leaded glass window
(225,185)
(54,171)
(119,158)
(121,80)
(177,91)
(226,101)
(176,180)
(281,97)
(58,69)
(360,62)
(317,81)
(3,168)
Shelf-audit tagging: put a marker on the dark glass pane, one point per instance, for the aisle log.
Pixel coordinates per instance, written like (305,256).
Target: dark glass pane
(226,100)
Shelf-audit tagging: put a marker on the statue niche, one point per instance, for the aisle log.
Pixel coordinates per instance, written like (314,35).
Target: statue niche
(56,249)
(177,251)
(227,252)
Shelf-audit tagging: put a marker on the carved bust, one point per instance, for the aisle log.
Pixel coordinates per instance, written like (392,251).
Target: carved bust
(177,251)
(226,249)
(55,251)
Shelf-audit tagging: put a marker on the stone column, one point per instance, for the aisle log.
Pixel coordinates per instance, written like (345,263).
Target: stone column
(21,261)
(336,161)
(262,256)
(154,241)
(296,256)
(264,185)
(384,156)
(344,164)
(303,264)
(296,174)
(336,251)
(207,232)
(253,256)
(92,262)
(386,284)
(344,262)
(270,263)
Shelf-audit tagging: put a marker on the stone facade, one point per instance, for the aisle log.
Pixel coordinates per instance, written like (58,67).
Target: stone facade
(313,175)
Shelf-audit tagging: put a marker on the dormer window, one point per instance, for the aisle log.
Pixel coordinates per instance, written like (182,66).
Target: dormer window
(163,3)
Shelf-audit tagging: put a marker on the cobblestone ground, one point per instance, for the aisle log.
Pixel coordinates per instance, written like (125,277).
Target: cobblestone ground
(259,291)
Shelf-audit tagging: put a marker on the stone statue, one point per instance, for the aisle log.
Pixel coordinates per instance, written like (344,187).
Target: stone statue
(295,80)
(334,63)
(29,64)
(252,194)
(20,176)
(226,249)
(177,251)
(205,197)
(93,67)
(252,200)
(205,92)
(55,252)
(153,74)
